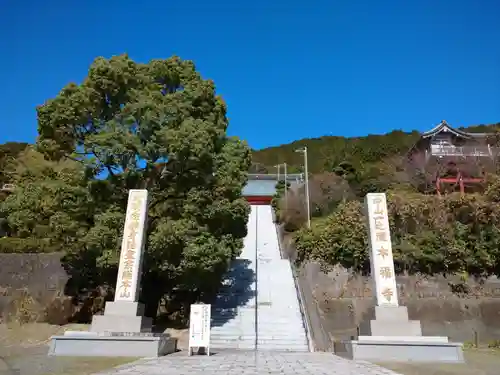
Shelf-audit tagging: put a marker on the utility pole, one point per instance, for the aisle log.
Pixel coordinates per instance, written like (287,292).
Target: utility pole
(304,151)
(306,166)
(286,189)
(278,168)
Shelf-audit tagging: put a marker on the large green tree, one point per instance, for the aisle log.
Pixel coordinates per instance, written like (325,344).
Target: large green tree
(49,209)
(158,126)
(8,153)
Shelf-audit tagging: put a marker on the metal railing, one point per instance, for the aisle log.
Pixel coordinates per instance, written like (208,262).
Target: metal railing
(318,339)
(292,177)
(443,150)
(298,290)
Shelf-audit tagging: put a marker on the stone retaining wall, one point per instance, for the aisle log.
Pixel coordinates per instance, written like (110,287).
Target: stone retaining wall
(344,301)
(34,281)
(446,306)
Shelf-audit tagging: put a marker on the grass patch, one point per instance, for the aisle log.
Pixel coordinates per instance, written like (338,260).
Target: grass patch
(24,348)
(478,362)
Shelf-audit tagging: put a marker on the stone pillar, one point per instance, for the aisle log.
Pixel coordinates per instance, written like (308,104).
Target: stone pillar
(125,313)
(381,260)
(390,318)
(391,336)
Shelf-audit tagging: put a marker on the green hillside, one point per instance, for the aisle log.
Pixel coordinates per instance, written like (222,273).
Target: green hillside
(431,234)
(326,153)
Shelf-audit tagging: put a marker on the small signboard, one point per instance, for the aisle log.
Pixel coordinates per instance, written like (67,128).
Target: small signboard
(199,328)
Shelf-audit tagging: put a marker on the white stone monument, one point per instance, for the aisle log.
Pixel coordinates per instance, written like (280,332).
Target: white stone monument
(391,335)
(125,314)
(122,330)
(390,318)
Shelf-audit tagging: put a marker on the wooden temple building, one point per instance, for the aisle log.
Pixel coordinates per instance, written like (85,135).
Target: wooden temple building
(446,159)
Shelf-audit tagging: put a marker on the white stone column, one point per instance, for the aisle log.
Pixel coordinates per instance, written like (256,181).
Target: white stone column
(125,313)
(381,259)
(392,335)
(133,244)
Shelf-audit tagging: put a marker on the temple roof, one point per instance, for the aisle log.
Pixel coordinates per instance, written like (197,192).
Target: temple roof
(444,127)
(264,185)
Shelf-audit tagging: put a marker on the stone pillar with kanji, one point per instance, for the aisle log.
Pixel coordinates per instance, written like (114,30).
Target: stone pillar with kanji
(391,319)
(386,333)
(125,313)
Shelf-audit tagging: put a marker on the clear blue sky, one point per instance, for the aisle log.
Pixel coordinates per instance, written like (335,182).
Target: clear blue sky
(287,69)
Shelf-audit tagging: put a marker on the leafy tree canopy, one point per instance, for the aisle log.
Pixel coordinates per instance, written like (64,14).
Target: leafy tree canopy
(49,208)
(8,152)
(158,126)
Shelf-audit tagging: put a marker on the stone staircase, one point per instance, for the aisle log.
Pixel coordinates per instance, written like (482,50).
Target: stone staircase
(258,307)
(234,311)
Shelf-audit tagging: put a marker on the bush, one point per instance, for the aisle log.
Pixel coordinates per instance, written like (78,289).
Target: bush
(326,191)
(23,308)
(59,311)
(430,235)
(337,239)
(26,245)
(495,344)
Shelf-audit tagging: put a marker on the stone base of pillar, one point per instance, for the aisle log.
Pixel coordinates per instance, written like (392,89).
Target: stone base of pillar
(401,349)
(92,344)
(121,316)
(391,336)
(391,321)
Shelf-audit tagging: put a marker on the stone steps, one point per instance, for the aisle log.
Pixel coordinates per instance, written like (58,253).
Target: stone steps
(263,318)
(251,333)
(269,344)
(280,324)
(259,311)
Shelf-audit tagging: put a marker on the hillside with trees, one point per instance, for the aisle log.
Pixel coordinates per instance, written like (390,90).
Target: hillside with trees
(452,234)
(329,152)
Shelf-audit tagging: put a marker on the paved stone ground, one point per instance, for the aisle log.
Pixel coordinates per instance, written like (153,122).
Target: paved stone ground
(250,363)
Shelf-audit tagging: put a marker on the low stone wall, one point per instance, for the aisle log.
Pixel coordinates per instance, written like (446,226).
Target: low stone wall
(446,306)
(344,301)
(31,283)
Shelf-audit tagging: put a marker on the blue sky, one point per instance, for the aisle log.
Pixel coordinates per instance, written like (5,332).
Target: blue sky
(287,69)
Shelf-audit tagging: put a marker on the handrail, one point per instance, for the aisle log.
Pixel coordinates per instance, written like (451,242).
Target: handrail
(303,311)
(298,290)
(256,317)
(450,150)
(325,344)
(271,176)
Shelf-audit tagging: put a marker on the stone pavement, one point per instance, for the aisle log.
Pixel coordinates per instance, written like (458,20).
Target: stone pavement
(250,363)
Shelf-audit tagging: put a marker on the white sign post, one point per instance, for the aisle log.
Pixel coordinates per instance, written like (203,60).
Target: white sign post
(199,328)
(381,259)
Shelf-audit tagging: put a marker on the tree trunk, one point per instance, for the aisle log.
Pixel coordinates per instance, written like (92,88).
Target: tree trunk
(151,293)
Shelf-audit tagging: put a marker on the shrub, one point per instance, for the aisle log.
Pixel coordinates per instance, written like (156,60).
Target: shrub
(430,235)
(326,191)
(27,245)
